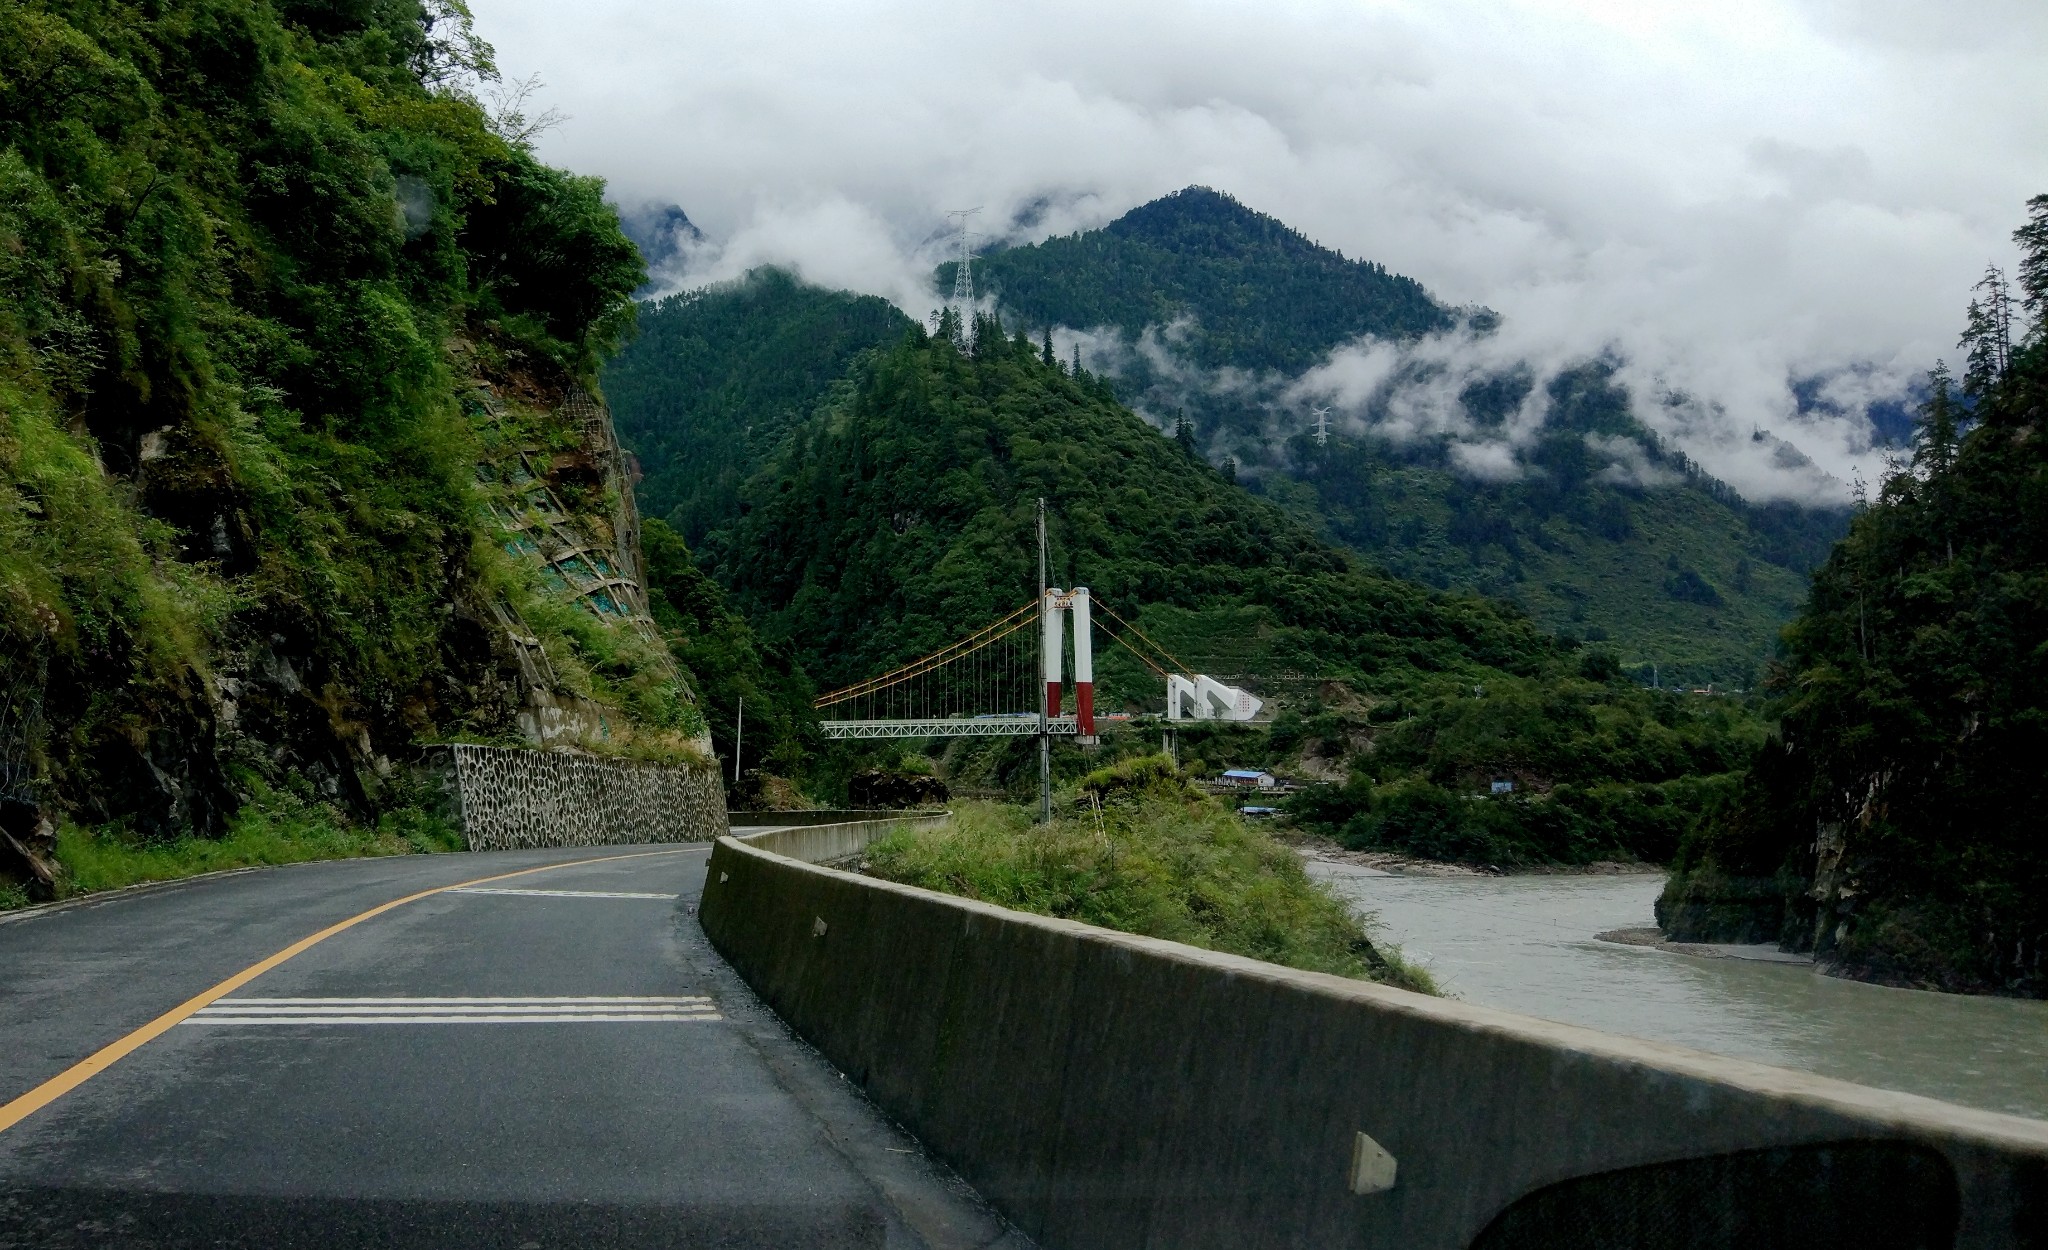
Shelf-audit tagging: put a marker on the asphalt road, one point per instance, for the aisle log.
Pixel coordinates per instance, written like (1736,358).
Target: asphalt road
(557,1059)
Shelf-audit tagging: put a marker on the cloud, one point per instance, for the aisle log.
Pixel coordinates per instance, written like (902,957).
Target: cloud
(1724,194)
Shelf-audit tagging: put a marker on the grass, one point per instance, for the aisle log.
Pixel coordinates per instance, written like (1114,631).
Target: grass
(272,828)
(1166,865)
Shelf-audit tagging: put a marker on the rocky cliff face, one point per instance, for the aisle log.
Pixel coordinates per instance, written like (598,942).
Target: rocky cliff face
(299,468)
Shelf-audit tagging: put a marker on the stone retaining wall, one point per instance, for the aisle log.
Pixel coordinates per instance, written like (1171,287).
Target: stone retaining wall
(509,798)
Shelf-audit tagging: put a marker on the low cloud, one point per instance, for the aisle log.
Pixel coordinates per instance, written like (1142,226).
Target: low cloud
(1723,197)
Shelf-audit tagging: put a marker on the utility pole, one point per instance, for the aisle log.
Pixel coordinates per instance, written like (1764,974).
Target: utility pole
(1044,712)
(1322,416)
(739,726)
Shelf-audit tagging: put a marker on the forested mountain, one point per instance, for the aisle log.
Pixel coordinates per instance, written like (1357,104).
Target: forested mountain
(899,516)
(295,349)
(1256,294)
(1605,535)
(718,376)
(1894,824)
(1601,532)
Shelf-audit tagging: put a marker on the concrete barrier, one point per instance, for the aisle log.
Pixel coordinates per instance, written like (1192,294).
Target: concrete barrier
(823,843)
(826,816)
(1111,1091)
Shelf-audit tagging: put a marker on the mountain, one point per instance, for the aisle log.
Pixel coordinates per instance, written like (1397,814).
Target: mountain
(661,232)
(898,515)
(1213,310)
(718,376)
(1892,825)
(1254,293)
(300,466)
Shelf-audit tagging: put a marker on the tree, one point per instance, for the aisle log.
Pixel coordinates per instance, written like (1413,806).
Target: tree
(1184,433)
(2033,240)
(1987,335)
(1934,432)
(1045,351)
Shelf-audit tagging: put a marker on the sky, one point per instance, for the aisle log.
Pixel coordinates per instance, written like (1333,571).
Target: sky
(1722,196)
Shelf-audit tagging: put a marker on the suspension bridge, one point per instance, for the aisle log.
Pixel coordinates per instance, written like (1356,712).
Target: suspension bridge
(1007,678)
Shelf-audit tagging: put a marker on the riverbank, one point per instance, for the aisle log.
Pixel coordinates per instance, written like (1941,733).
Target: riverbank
(1533,943)
(1329,851)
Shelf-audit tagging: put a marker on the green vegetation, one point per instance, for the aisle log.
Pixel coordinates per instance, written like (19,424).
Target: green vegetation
(1601,769)
(899,517)
(271,828)
(1608,536)
(726,664)
(1604,534)
(1258,295)
(256,260)
(1892,824)
(1153,859)
(718,377)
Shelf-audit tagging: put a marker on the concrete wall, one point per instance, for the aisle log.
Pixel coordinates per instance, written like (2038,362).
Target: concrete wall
(824,816)
(507,798)
(1110,1091)
(823,843)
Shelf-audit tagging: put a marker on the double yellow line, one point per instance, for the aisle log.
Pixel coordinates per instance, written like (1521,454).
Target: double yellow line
(107,1056)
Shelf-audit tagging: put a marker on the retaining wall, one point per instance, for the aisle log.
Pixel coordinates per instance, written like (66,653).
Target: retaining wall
(507,798)
(1112,1091)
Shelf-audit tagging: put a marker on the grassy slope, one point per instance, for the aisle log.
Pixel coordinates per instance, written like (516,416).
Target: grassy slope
(1187,869)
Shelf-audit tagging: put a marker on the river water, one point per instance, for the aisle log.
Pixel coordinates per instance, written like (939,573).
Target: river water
(1526,944)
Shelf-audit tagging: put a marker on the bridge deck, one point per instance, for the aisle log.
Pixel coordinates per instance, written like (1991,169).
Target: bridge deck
(948,727)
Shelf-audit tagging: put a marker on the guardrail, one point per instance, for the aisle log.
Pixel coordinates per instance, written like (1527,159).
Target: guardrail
(1105,1090)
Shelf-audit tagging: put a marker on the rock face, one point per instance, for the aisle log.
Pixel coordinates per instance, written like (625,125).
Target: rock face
(878,788)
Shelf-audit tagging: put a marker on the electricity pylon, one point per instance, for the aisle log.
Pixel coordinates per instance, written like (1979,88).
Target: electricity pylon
(963,277)
(1322,416)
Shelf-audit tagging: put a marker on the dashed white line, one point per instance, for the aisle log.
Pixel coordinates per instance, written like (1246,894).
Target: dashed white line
(556,1010)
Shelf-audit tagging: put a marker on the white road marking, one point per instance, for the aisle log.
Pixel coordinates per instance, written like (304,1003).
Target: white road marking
(565,893)
(565,1010)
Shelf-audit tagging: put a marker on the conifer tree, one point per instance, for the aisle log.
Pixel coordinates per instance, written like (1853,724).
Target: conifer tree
(1987,335)
(1045,351)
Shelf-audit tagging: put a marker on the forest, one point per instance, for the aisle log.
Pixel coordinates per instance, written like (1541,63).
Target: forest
(1891,824)
(898,516)
(1646,553)
(275,289)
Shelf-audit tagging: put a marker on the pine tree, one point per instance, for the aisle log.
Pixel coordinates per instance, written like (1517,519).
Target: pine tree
(1987,335)
(1230,469)
(2033,241)
(1045,351)
(1934,432)
(1184,433)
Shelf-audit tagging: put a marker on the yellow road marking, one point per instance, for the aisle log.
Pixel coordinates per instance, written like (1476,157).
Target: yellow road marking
(107,1056)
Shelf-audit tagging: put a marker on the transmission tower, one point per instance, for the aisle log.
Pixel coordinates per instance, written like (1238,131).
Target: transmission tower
(1322,416)
(963,276)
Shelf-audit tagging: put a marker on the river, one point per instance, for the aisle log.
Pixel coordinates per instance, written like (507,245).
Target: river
(1526,943)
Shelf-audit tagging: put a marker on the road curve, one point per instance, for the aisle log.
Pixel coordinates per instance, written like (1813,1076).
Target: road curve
(554,1058)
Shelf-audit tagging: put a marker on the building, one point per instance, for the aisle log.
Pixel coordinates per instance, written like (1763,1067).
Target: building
(1248,779)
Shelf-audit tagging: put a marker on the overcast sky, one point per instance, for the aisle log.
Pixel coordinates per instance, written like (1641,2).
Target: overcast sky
(1726,194)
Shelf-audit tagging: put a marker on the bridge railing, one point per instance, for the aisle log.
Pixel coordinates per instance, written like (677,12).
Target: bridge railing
(1105,1090)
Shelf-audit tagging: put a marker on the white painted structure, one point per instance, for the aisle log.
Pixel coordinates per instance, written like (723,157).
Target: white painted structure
(1057,604)
(1205,698)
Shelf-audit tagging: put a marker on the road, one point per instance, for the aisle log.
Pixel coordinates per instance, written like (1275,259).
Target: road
(554,1058)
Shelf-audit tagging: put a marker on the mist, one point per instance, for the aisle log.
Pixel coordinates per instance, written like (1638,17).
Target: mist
(1722,198)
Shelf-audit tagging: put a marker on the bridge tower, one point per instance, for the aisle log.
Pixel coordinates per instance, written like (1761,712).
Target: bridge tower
(1054,613)
(1084,667)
